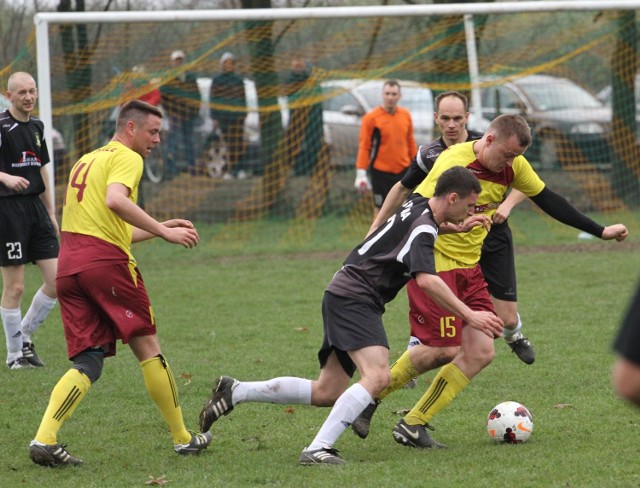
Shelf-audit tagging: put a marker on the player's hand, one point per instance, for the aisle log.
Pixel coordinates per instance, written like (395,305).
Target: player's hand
(178,223)
(618,232)
(185,236)
(501,214)
(362,183)
(486,322)
(15,183)
(467,225)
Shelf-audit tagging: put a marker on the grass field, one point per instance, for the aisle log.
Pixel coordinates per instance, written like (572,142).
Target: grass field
(256,315)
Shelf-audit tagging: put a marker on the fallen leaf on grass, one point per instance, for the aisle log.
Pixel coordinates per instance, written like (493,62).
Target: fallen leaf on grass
(563,405)
(301,329)
(157,481)
(402,411)
(289,410)
(186,377)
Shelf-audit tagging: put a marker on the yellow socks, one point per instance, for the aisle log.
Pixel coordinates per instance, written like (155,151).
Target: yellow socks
(445,386)
(162,389)
(402,371)
(65,397)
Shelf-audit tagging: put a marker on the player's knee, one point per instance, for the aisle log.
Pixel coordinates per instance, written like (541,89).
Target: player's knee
(90,362)
(445,356)
(14,291)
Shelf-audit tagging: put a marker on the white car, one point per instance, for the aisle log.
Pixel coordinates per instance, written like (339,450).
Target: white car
(346,102)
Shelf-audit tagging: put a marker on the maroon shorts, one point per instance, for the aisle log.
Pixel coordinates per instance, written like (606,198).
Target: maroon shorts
(103,304)
(435,326)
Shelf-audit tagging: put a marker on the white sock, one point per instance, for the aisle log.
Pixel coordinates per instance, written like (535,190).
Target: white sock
(40,307)
(346,409)
(285,389)
(511,335)
(11,322)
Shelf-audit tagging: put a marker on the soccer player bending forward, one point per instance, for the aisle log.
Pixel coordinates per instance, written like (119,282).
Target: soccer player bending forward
(352,308)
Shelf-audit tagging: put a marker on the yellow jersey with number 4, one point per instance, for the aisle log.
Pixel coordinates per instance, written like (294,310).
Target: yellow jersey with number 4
(85,209)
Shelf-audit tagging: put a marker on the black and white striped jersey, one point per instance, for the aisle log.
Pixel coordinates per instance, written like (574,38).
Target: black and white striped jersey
(381,265)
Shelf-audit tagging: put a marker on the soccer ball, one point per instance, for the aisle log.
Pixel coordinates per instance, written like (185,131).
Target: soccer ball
(509,422)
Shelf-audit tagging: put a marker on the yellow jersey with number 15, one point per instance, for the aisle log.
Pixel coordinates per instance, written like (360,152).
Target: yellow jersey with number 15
(85,209)
(462,250)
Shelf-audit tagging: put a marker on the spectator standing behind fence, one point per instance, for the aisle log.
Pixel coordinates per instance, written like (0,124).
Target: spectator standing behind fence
(304,132)
(28,226)
(228,111)
(180,100)
(386,145)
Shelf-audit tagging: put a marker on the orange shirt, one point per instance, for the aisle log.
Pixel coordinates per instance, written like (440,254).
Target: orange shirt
(386,140)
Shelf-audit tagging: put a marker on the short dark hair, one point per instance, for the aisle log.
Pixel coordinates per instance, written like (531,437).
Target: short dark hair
(452,93)
(136,110)
(392,83)
(457,179)
(507,125)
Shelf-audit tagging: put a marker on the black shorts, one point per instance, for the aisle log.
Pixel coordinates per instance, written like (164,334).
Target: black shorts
(498,263)
(26,232)
(349,325)
(381,184)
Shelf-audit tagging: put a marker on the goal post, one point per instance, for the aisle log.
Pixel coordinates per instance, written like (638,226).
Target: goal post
(482,49)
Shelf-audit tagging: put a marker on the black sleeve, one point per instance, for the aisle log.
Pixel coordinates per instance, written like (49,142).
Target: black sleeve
(414,176)
(560,209)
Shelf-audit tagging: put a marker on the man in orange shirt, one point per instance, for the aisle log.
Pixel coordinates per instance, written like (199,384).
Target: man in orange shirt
(386,145)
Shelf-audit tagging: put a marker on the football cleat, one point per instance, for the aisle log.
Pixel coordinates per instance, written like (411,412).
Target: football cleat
(523,349)
(51,455)
(197,444)
(219,404)
(325,455)
(414,435)
(29,353)
(362,423)
(20,363)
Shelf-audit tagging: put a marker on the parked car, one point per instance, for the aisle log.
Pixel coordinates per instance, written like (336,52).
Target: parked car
(346,102)
(605,95)
(568,123)
(59,147)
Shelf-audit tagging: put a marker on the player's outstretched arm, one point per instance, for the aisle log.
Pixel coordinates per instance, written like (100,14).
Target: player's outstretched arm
(117,200)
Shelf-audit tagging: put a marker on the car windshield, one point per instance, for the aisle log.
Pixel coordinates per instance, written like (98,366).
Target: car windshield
(559,95)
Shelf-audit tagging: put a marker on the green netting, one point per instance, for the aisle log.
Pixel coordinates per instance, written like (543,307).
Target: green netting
(298,171)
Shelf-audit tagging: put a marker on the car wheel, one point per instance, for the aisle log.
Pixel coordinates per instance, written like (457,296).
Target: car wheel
(214,157)
(154,166)
(550,150)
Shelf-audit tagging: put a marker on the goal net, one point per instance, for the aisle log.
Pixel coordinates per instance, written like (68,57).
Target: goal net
(571,72)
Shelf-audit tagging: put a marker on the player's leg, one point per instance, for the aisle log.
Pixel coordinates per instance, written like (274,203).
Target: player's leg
(43,249)
(372,363)
(432,347)
(498,267)
(41,305)
(83,329)
(162,388)
(12,291)
(70,390)
(475,354)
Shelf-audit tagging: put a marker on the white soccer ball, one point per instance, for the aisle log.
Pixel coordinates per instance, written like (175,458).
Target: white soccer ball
(509,422)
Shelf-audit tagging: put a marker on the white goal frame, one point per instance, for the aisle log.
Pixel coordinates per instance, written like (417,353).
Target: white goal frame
(42,21)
